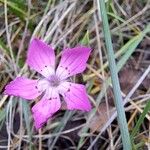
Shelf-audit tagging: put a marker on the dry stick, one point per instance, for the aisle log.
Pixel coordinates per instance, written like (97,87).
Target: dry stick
(72,27)
(133,18)
(139,109)
(148,144)
(120,8)
(127,99)
(59,21)
(24,33)
(38,27)
(9,26)
(137,85)
(40,139)
(8,36)
(45,136)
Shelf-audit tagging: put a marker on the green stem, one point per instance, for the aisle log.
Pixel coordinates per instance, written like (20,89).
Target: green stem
(140,120)
(115,81)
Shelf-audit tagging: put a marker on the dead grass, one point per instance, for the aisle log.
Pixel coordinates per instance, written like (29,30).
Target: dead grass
(65,24)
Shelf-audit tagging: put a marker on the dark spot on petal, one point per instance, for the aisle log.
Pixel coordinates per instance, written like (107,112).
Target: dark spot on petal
(41,70)
(45,66)
(68,90)
(36,87)
(66,68)
(50,99)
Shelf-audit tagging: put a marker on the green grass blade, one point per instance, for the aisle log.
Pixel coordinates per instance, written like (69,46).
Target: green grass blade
(131,48)
(140,120)
(86,39)
(2,116)
(15,9)
(115,82)
(26,114)
(4,47)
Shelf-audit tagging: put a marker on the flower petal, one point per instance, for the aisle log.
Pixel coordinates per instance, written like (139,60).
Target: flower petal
(23,87)
(41,57)
(45,108)
(73,61)
(75,96)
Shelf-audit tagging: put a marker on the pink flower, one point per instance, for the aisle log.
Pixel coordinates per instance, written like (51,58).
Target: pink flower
(53,83)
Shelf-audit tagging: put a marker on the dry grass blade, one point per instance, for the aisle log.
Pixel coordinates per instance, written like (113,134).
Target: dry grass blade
(67,24)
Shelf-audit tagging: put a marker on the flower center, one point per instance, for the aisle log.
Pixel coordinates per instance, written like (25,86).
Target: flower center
(54,80)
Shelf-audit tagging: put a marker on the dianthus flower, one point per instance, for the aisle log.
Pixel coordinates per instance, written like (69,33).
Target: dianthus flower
(54,82)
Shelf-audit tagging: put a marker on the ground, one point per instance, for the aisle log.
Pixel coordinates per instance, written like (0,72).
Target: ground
(68,24)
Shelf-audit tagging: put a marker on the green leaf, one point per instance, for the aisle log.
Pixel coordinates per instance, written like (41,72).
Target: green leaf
(86,39)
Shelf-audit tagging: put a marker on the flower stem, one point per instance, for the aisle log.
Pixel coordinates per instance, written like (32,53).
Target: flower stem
(115,81)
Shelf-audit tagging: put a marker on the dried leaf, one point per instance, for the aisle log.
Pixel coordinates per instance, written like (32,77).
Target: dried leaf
(100,118)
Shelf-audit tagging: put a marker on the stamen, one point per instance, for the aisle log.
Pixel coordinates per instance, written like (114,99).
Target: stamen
(54,81)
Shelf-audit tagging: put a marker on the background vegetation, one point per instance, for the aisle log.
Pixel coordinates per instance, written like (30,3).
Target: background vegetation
(64,23)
